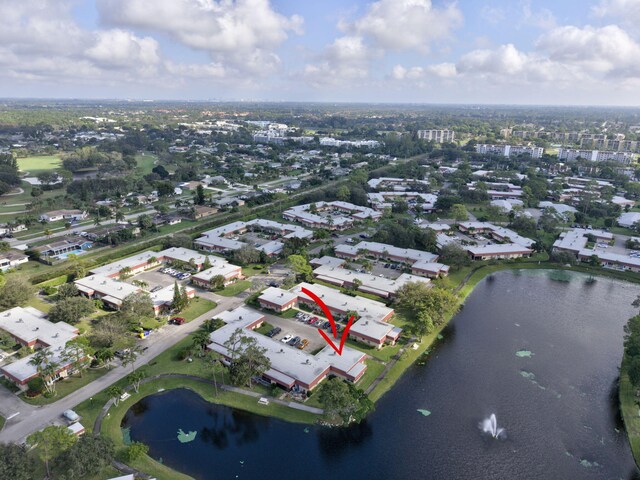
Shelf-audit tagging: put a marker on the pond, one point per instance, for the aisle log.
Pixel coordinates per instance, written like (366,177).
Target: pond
(538,350)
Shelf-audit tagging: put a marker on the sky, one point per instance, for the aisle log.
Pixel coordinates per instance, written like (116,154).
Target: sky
(568,52)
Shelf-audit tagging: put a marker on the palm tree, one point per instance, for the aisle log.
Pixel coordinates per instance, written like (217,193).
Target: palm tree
(48,232)
(96,220)
(214,358)
(200,339)
(119,216)
(130,356)
(105,356)
(115,392)
(45,367)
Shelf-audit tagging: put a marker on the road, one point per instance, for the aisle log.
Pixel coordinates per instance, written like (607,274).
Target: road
(32,418)
(80,227)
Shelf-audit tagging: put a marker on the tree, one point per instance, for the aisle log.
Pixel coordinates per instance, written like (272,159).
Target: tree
(201,340)
(15,463)
(344,400)
(52,441)
(16,291)
(248,359)
(214,358)
(217,282)
(67,290)
(45,366)
(119,216)
(136,377)
(145,222)
(633,370)
(115,392)
(137,306)
(207,263)
(85,458)
(454,255)
(71,310)
(438,302)
(130,356)
(399,206)
(111,331)
(301,267)
(594,260)
(124,273)
(76,353)
(245,255)
(135,451)
(199,197)
(343,193)
(178,301)
(459,212)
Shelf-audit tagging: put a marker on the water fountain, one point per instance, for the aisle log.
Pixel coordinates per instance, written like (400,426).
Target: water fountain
(490,426)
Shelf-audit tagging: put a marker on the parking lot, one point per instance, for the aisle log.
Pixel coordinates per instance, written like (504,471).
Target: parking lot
(297,329)
(154,278)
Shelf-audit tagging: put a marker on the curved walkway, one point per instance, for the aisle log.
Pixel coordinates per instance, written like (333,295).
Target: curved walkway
(126,469)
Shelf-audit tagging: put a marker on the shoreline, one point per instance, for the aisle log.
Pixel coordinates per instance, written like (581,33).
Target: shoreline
(384,383)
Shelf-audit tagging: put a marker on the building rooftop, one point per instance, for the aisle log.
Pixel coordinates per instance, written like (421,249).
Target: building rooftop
(106,286)
(277,296)
(287,363)
(29,324)
(370,283)
(219,266)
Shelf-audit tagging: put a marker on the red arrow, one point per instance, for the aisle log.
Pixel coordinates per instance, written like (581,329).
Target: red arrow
(327,314)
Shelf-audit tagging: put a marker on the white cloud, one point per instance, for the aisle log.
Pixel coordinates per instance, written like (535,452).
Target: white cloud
(345,60)
(121,49)
(243,32)
(493,15)
(628,11)
(564,57)
(407,24)
(40,41)
(542,18)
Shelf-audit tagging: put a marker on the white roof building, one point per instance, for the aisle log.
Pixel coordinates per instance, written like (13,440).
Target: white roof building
(290,366)
(384,287)
(30,327)
(629,219)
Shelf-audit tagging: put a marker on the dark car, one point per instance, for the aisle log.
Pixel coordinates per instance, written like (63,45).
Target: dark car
(294,341)
(177,321)
(273,284)
(326,325)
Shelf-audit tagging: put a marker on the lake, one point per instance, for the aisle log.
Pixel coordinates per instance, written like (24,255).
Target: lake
(538,349)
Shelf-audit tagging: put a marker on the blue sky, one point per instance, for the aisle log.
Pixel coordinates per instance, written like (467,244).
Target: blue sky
(417,51)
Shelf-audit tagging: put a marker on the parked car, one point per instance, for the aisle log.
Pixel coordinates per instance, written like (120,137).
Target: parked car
(156,288)
(286,338)
(177,321)
(303,343)
(319,322)
(312,320)
(294,341)
(273,332)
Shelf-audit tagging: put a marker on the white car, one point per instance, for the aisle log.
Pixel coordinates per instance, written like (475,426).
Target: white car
(286,338)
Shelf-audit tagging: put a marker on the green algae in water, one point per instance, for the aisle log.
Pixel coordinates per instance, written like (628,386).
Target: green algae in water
(588,464)
(560,276)
(186,437)
(529,375)
(126,435)
(439,337)
(306,430)
(524,354)
(426,413)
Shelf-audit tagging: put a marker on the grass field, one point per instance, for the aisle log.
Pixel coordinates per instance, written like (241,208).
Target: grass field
(235,288)
(39,163)
(630,409)
(146,162)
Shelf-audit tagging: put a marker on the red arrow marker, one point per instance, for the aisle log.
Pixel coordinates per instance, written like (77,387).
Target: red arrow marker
(327,314)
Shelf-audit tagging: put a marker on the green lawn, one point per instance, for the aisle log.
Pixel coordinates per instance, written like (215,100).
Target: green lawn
(146,162)
(39,163)
(264,328)
(2,420)
(253,269)
(37,302)
(67,386)
(235,288)
(630,409)
(198,306)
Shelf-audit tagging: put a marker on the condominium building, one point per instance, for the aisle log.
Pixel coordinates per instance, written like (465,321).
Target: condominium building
(439,136)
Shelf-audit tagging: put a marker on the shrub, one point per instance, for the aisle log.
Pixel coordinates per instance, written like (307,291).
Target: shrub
(49,290)
(36,386)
